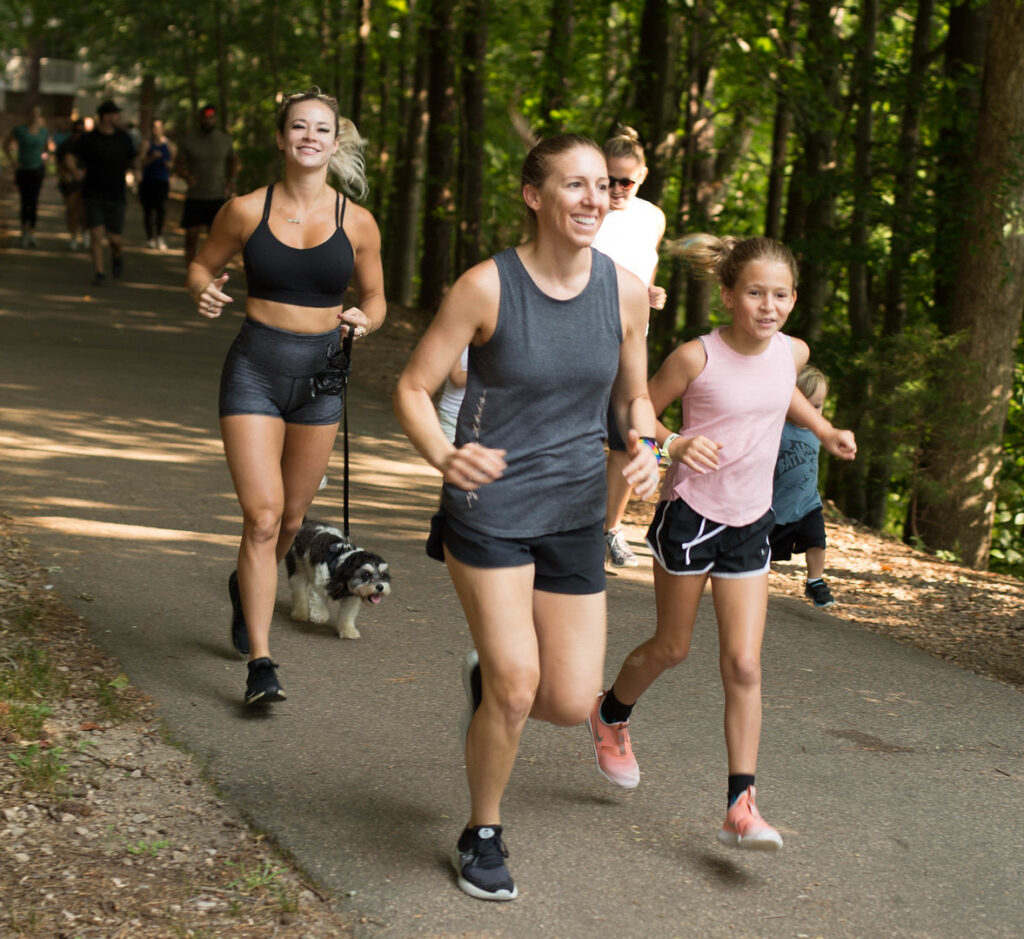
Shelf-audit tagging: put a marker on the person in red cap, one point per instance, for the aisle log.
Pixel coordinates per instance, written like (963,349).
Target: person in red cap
(206,161)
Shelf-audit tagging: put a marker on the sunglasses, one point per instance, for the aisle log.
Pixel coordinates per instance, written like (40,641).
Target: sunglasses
(624,184)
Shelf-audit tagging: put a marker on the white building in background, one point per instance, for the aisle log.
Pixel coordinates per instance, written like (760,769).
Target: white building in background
(66,87)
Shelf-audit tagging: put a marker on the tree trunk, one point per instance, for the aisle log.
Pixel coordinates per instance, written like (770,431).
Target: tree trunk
(847,480)
(964,56)
(956,503)
(436,261)
(782,127)
(653,87)
(362,31)
(471,154)
(406,199)
(556,79)
(823,60)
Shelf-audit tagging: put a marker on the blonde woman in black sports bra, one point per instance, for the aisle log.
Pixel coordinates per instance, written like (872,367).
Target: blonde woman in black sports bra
(303,244)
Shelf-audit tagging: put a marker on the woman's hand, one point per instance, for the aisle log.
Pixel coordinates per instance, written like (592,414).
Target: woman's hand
(211,299)
(472,466)
(356,322)
(642,470)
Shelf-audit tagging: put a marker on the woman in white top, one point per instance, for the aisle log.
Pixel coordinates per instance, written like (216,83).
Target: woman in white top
(629,235)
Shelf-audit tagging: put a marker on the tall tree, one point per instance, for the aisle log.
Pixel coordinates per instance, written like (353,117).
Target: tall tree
(956,504)
(473,131)
(654,91)
(439,218)
(402,223)
(555,74)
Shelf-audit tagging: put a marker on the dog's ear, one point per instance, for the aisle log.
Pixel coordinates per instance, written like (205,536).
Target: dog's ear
(337,547)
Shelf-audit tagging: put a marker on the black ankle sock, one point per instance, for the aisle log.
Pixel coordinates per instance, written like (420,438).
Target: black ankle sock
(613,711)
(738,784)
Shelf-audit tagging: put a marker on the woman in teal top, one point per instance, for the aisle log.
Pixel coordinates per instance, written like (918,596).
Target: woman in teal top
(32,140)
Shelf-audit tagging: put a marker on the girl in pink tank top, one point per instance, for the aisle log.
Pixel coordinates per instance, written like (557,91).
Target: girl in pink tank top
(737,386)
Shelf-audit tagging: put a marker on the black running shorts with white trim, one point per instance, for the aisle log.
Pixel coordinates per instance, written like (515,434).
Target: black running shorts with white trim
(685,542)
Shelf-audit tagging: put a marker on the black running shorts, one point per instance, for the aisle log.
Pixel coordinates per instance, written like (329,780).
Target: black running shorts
(685,542)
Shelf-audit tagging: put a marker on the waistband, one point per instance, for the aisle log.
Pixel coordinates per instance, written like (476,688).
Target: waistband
(296,355)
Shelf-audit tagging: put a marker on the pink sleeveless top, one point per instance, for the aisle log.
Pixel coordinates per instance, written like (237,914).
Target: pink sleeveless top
(739,401)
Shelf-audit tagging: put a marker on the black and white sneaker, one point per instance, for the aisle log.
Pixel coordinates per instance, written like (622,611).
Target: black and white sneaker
(471,684)
(239,634)
(479,862)
(263,686)
(818,593)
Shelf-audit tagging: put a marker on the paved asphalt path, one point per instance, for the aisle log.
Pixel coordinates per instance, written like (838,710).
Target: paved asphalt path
(895,778)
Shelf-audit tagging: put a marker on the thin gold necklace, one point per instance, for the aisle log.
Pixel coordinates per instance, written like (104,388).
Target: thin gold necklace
(299,221)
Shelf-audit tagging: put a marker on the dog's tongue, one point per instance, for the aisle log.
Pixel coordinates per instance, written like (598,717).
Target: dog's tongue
(375,598)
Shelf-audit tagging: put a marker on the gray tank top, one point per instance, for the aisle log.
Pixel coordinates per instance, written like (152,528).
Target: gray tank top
(539,389)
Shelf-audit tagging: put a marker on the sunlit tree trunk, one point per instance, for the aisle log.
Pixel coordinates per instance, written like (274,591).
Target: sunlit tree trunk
(956,503)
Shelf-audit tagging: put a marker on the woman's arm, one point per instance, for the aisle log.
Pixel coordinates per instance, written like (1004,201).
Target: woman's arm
(630,402)
(205,278)
(469,310)
(368,275)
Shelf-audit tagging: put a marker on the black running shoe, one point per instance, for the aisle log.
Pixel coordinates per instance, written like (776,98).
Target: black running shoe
(239,634)
(99,279)
(819,594)
(117,265)
(479,862)
(263,686)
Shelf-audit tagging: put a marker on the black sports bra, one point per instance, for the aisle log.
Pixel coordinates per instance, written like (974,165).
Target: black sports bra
(315,277)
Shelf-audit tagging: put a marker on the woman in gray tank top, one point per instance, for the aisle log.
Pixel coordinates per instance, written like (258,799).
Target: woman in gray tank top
(555,330)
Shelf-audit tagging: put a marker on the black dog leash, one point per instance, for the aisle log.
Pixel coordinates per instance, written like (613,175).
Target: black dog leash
(333,380)
(346,348)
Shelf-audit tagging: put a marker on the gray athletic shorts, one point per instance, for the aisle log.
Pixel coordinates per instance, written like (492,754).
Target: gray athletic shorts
(269,371)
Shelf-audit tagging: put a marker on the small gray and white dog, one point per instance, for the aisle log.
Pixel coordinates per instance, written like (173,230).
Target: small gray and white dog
(330,577)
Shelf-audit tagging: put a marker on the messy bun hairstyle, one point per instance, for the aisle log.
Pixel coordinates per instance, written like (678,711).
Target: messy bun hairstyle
(624,143)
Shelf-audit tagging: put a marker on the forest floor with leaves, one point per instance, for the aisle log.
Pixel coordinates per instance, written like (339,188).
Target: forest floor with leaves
(108,830)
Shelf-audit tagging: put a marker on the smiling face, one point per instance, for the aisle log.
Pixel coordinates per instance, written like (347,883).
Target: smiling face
(760,302)
(310,134)
(621,168)
(573,199)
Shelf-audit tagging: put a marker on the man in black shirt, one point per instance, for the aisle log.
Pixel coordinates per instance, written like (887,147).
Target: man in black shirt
(105,155)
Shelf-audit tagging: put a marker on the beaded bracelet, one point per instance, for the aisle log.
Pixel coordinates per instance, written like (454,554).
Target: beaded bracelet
(653,444)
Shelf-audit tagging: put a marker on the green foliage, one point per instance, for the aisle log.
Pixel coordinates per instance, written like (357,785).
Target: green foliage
(263,876)
(147,848)
(1008,531)
(751,63)
(40,769)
